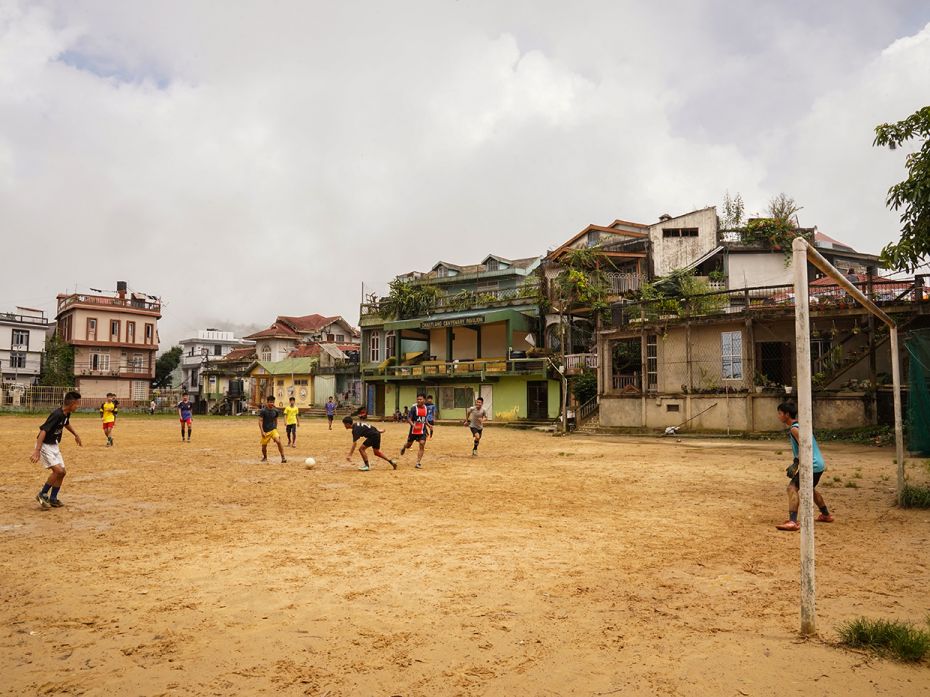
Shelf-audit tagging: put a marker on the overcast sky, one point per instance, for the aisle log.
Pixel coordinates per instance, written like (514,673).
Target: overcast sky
(248,159)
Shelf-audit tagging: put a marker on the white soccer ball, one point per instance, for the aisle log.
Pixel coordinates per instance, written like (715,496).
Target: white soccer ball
(309,462)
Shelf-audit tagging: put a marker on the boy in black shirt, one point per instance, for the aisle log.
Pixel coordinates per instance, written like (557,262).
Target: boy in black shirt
(268,426)
(47,449)
(372,438)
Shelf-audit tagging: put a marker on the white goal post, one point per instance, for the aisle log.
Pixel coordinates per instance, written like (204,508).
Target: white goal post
(804,252)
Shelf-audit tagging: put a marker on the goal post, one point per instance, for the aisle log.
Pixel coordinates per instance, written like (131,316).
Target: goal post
(804,252)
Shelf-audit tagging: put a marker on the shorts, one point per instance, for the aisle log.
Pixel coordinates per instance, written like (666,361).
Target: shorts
(372,442)
(270,436)
(51,455)
(291,429)
(330,417)
(475,431)
(796,479)
(417,437)
(186,420)
(108,424)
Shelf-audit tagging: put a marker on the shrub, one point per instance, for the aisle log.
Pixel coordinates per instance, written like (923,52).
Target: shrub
(900,640)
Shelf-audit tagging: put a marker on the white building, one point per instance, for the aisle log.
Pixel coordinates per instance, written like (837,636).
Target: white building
(209,346)
(22,342)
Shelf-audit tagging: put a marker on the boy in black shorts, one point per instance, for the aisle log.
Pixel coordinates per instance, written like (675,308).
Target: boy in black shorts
(48,451)
(418,420)
(474,419)
(372,440)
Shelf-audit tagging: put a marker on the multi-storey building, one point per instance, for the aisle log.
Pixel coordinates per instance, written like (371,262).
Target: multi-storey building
(198,353)
(22,341)
(472,341)
(287,333)
(115,339)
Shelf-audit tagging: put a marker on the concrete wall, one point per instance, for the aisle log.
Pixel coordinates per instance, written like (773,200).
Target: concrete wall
(437,343)
(464,343)
(734,413)
(670,253)
(763,269)
(508,398)
(494,340)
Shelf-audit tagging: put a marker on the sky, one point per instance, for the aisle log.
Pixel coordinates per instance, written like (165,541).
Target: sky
(248,159)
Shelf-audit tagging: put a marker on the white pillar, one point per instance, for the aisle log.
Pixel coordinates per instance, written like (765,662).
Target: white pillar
(806,448)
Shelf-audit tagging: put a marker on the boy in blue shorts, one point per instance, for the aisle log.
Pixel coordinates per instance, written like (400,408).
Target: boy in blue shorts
(185,413)
(788,415)
(330,412)
(48,451)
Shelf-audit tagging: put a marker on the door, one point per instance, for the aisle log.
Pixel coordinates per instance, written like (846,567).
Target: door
(486,393)
(537,400)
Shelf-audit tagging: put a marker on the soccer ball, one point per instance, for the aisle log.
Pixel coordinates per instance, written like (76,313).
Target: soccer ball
(309,462)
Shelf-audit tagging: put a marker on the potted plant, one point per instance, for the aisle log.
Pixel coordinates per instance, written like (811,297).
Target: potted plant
(788,389)
(760,380)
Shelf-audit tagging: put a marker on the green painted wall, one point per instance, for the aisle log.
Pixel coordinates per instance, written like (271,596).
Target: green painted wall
(509,398)
(555,398)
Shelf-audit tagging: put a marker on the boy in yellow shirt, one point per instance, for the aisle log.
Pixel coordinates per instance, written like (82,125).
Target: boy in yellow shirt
(108,411)
(291,422)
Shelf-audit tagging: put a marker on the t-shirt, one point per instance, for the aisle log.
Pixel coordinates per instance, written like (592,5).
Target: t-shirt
(419,416)
(475,415)
(362,430)
(269,418)
(186,409)
(54,426)
(330,408)
(108,409)
(819,465)
(430,413)
(290,415)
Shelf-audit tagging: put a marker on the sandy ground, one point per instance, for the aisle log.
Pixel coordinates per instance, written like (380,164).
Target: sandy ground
(546,566)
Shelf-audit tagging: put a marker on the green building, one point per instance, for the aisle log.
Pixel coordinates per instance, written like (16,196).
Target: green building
(474,334)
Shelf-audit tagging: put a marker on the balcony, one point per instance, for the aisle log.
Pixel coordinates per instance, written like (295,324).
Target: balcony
(466,300)
(825,298)
(480,368)
(130,303)
(23,319)
(138,371)
(576,363)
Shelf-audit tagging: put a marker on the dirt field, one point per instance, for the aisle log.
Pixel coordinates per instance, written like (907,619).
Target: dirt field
(546,566)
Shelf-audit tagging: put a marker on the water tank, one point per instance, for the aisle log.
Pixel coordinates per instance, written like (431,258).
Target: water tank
(235,389)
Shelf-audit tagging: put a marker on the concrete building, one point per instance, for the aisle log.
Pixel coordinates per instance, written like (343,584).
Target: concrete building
(198,353)
(473,341)
(115,339)
(287,333)
(22,341)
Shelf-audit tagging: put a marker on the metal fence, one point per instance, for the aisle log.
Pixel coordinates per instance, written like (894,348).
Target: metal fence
(28,398)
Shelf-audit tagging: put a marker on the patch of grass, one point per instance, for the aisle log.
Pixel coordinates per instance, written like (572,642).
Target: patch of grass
(915,496)
(857,475)
(837,479)
(866,435)
(900,640)
(851,485)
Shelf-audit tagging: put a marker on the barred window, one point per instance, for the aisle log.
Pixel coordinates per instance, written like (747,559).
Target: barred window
(731,345)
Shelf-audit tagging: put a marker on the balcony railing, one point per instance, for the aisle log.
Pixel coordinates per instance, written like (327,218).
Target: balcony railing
(823,297)
(80,299)
(579,362)
(24,319)
(621,382)
(481,366)
(88,369)
(468,300)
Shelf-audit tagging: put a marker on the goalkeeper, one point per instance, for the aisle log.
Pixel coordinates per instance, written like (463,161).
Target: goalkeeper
(788,415)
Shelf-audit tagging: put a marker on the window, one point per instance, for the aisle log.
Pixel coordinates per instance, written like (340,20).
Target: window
(488,286)
(91,329)
(218,350)
(390,344)
(330,337)
(149,333)
(672,407)
(492,265)
(301,381)
(17,359)
(456,397)
(266,352)
(114,329)
(652,363)
(374,347)
(137,361)
(731,345)
(594,236)
(21,338)
(131,332)
(100,361)
(280,383)
(679,232)
(340,338)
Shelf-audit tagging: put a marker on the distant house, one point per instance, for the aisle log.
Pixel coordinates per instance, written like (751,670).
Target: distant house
(198,353)
(22,341)
(115,339)
(336,373)
(290,377)
(287,333)
(228,378)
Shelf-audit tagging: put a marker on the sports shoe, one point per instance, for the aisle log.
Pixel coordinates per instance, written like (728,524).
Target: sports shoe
(43,501)
(824,518)
(283,460)
(419,466)
(55,503)
(474,453)
(789,526)
(264,459)
(364,468)
(393,463)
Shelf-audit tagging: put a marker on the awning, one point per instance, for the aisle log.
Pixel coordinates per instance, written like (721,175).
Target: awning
(694,264)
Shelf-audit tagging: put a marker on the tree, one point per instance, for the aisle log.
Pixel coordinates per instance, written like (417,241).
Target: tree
(912,195)
(733,210)
(58,363)
(165,365)
(407,299)
(782,208)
